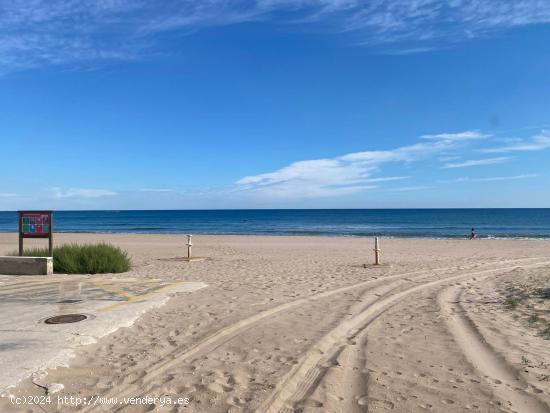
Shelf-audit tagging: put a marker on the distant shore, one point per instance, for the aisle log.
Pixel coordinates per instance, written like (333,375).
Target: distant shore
(480,237)
(155,242)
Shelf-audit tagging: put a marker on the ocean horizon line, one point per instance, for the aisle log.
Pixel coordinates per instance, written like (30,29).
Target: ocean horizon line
(424,223)
(278,209)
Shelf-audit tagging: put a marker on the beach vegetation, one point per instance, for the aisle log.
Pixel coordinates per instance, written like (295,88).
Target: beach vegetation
(543,293)
(512,303)
(98,258)
(533,318)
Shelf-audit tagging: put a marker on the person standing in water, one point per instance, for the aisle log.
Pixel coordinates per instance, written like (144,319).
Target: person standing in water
(473,233)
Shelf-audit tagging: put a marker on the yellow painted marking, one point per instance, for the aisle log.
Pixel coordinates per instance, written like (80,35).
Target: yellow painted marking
(23,280)
(28,282)
(115,305)
(141,297)
(162,289)
(133,281)
(113,289)
(29,288)
(50,279)
(24,286)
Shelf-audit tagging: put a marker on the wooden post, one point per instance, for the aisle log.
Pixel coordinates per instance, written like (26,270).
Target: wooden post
(189,246)
(50,238)
(376,252)
(20,235)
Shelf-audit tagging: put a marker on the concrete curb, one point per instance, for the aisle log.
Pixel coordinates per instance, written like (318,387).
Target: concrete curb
(26,265)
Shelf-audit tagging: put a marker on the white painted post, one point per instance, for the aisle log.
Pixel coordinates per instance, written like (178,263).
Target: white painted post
(189,245)
(376,252)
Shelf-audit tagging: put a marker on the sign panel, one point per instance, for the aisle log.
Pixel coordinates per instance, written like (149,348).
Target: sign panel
(36,224)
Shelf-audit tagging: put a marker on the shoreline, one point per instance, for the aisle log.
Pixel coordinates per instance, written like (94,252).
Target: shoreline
(298,235)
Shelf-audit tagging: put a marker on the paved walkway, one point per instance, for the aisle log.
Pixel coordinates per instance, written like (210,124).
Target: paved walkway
(28,345)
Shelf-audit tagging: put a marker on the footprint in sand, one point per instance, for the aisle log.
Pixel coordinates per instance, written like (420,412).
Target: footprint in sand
(375,403)
(331,363)
(241,378)
(235,401)
(133,377)
(311,403)
(219,388)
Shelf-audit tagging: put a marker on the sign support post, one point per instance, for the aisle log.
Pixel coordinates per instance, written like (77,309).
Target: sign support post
(20,236)
(50,245)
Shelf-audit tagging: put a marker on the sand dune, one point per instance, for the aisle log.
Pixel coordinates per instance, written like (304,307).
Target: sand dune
(292,324)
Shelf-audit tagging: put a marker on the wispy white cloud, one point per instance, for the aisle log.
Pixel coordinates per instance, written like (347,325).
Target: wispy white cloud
(156,190)
(491,178)
(350,173)
(411,188)
(476,162)
(7,195)
(43,32)
(536,143)
(387,179)
(447,158)
(59,193)
(460,136)
(312,178)
(40,32)
(409,51)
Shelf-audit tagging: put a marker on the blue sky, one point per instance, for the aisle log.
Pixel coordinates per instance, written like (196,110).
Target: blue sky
(120,104)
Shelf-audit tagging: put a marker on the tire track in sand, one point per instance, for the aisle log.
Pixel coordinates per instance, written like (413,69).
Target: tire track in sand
(303,377)
(506,382)
(225,334)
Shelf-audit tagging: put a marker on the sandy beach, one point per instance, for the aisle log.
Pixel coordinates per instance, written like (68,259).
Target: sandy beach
(307,324)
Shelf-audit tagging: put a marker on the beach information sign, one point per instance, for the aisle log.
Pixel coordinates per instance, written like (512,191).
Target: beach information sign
(35,224)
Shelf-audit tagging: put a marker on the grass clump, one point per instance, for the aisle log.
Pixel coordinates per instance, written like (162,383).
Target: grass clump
(533,319)
(512,303)
(85,258)
(543,292)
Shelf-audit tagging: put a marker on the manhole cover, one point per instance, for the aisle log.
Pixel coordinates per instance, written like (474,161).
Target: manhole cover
(68,301)
(66,318)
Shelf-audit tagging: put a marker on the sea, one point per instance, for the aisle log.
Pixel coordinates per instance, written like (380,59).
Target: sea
(419,223)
